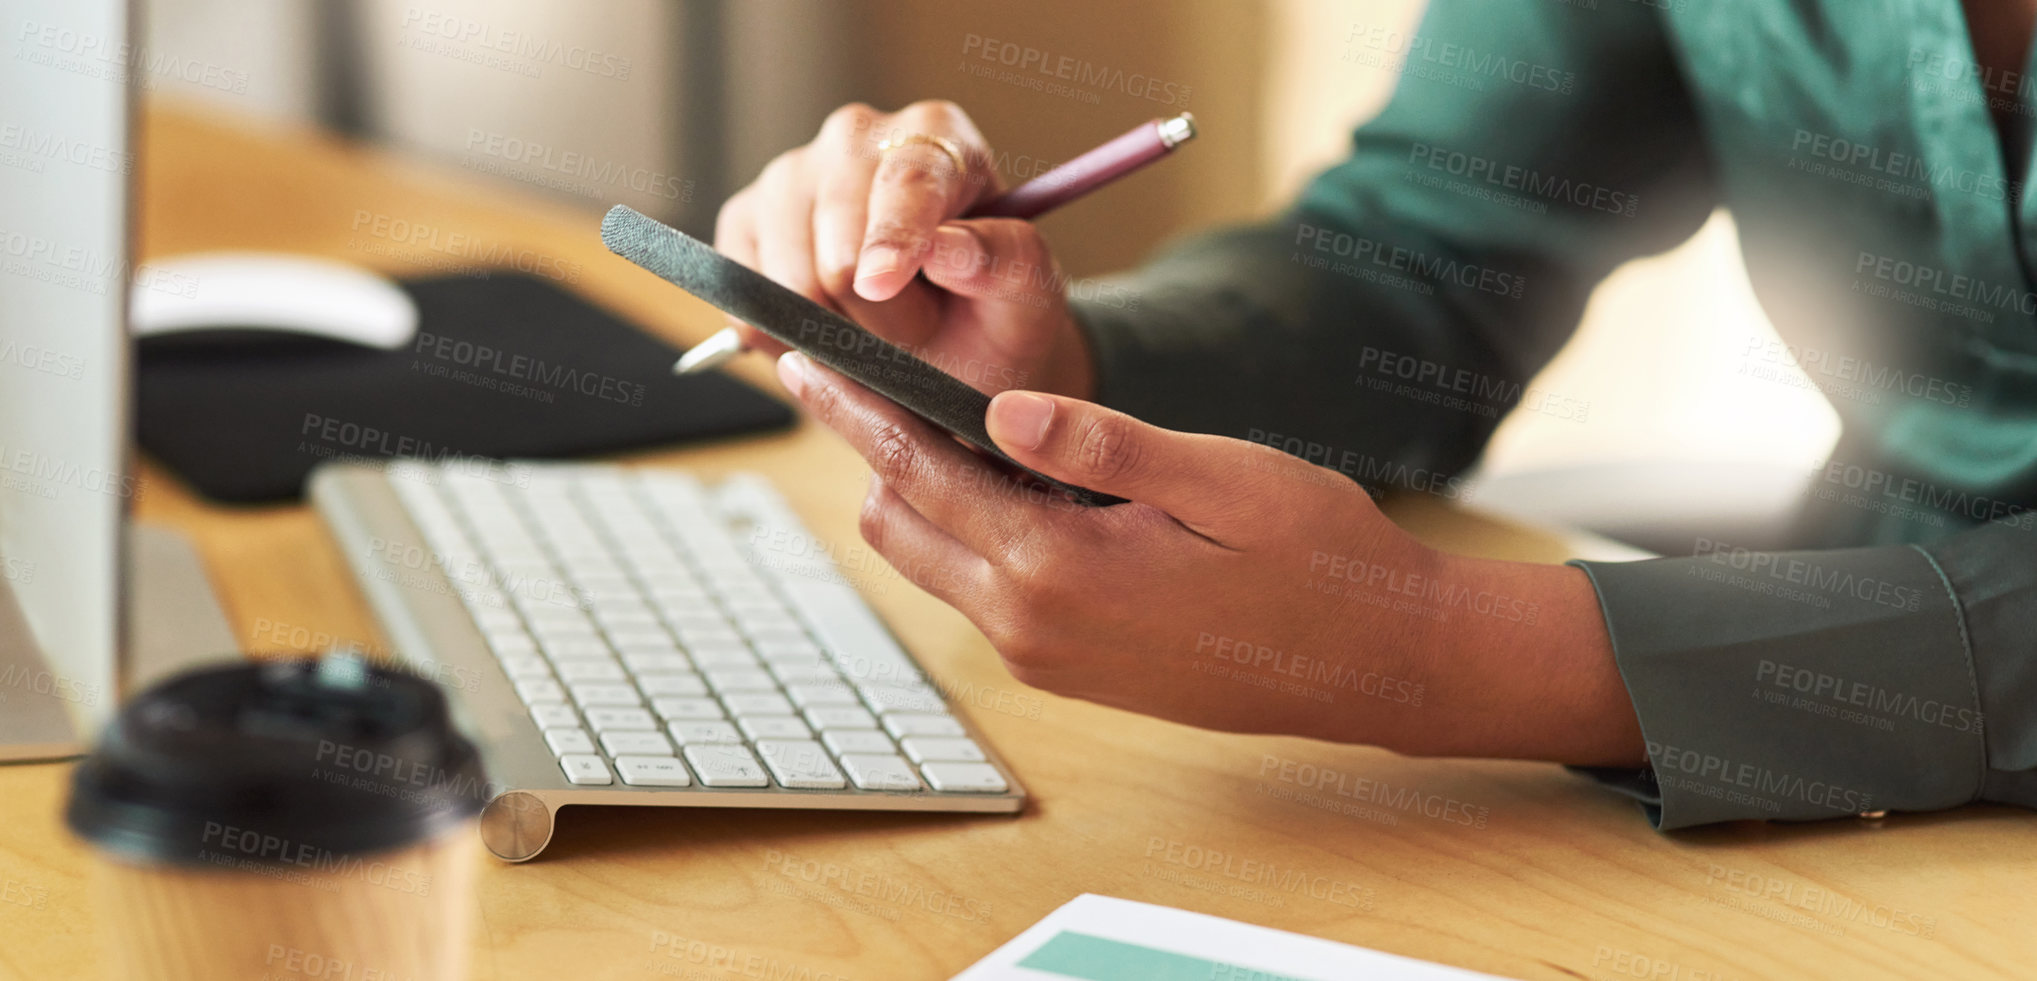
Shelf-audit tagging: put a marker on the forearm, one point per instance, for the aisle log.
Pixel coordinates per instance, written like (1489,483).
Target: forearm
(1536,675)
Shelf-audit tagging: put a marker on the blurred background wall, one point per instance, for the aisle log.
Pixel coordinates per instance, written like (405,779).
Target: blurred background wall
(698,94)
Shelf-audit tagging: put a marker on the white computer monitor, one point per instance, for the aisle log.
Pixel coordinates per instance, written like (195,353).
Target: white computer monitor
(66,156)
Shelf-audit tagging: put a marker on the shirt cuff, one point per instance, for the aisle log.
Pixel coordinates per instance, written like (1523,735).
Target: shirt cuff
(1793,686)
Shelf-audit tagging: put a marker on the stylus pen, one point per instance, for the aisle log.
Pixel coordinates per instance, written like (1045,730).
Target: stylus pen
(1147,142)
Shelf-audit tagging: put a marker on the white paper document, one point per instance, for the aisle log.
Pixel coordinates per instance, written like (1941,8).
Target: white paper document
(1097,938)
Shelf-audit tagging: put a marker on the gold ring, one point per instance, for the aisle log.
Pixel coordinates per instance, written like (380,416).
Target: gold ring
(940,143)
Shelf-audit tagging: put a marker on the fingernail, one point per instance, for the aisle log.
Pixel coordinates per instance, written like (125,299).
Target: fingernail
(1020,419)
(792,370)
(954,247)
(879,260)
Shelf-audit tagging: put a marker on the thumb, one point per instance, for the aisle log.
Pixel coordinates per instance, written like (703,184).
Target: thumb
(1203,481)
(1002,259)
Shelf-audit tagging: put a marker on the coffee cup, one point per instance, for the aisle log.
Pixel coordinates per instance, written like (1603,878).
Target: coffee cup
(285,820)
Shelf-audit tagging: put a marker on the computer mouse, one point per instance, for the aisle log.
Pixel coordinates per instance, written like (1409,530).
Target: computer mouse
(236,297)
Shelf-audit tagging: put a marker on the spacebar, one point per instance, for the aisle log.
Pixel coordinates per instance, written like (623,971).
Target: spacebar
(850,633)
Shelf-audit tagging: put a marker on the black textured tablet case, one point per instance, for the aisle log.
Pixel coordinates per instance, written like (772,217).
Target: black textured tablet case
(503,366)
(814,330)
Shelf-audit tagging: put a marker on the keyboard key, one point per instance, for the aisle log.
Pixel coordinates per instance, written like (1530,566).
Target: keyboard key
(723,656)
(964,778)
(800,764)
(567,648)
(610,719)
(658,685)
(687,709)
(758,703)
(724,765)
(936,749)
(652,636)
(693,636)
(873,772)
(551,715)
(918,724)
(774,727)
(595,694)
(898,698)
(565,741)
(841,741)
(589,669)
(586,770)
(652,771)
(522,666)
(842,717)
(732,680)
(807,674)
(788,648)
(673,662)
(538,691)
(636,744)
(812,695)
(693,733)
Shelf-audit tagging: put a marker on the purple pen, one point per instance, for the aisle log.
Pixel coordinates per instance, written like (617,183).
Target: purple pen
(1146,143)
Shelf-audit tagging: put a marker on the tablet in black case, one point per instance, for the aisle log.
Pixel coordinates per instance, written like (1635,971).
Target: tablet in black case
(814,330)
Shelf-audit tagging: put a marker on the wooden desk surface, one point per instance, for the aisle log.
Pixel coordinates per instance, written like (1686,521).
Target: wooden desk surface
(1551,878)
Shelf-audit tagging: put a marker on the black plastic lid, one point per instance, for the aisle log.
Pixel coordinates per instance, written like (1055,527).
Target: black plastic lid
(288,763)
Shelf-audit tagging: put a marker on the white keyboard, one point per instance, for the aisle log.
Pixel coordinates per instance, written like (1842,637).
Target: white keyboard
(672,637)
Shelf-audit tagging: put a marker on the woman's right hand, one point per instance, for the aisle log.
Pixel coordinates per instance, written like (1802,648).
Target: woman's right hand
(851,226)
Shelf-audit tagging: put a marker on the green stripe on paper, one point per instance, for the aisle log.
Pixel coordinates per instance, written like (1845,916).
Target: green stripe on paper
(1079,955)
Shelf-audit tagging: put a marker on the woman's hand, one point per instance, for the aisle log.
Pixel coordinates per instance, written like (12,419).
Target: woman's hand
(1240,588)
(851,227)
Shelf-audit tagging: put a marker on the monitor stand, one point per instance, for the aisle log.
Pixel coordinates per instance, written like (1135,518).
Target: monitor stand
(173,622)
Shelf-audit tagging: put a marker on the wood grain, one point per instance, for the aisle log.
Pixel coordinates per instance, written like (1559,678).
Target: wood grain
(1522,870)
